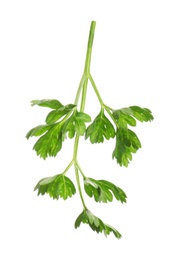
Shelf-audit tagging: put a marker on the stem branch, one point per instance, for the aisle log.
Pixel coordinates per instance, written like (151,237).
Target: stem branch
(79,89)
(89,48)
(96,90)
(79,187)
(68,167)
(83,86)
(110,114)
(81,170)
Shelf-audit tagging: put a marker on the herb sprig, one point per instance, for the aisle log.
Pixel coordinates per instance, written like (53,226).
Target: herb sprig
(70,121)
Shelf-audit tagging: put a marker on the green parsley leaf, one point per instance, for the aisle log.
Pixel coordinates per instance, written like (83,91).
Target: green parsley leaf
(76,124)
(103,191)
(95,223)
(127,143)
(128,115)
(100,128)
(50,143)
(56,114)
(38,130)
(142,114)
(51,103)
(123,117)
(56,186)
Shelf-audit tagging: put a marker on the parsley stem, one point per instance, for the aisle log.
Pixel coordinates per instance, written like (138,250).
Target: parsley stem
(79,187)
(76,170)
(68,167)
(81,170)
(96,89)
(83,86)
(89,47)
(76,144)
(79,89)
(84,79)
(84,92)
(108,107)
(110,114)
(87,64)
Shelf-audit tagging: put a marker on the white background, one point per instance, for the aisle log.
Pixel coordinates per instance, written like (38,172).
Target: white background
(138,59)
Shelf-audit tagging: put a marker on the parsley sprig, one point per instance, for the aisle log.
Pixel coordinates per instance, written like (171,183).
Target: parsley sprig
(70,121)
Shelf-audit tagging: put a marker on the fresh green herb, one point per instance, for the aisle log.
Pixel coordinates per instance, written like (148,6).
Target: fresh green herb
(100,128)
(95,223)
(65,121)
(56,186)
(103,191)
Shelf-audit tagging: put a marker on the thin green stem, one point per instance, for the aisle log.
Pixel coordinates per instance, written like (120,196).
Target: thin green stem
(96,89)
(81,170)
(79,187)
(108,107)
(76,144)
(76,170)
(89,47)
(83,86)
(102,110)
(84,92)
(110,114)
(79,89)
(67,116)
(84,79)
(68,167)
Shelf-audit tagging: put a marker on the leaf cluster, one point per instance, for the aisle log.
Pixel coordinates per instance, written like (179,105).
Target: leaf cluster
(127,142)
(103,191)
(54,132)
(129,115)
(65,121)
(56,186)
(100,128)
(95,223)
